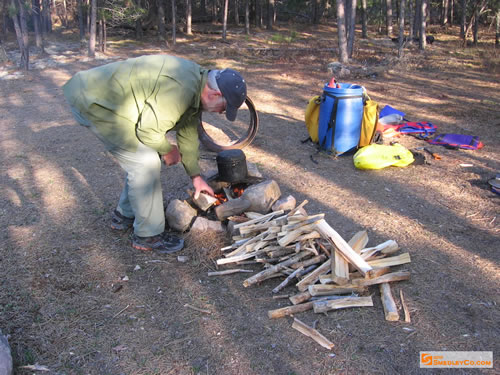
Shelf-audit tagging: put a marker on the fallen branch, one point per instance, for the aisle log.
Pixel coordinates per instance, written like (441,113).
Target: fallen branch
(228,272)
(197,309)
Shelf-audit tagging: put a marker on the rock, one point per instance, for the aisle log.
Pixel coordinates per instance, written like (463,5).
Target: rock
(6,367)
(285,204)
(202,224)
(253,171)
(179,215)
(338,70)
(262,196)
(232,207)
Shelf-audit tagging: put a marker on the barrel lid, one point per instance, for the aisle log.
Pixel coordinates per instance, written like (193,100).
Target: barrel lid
(231,155)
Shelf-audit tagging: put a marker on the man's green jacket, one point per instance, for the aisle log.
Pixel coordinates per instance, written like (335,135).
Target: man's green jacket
(140,99)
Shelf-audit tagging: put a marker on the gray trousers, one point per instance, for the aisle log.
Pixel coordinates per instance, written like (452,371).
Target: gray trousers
(141,196)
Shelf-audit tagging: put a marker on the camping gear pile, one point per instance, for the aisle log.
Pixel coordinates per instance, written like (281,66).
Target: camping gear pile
(344,119)
(329,273)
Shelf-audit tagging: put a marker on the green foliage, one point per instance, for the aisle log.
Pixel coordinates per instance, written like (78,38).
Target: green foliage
(280,38)
(12,11)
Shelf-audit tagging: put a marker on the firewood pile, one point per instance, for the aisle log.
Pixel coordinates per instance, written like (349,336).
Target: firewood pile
(328,272)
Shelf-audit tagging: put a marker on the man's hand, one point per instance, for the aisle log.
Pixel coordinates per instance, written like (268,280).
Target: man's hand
(200,185)
(173,157)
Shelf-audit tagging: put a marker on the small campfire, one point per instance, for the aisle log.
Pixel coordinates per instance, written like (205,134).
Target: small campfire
(233,192)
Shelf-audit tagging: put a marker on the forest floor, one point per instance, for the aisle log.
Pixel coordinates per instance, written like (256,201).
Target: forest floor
(61,265)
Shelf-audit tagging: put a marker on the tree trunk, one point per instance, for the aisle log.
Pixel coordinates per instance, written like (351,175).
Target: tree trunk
(247,17)
(388,18)
(351,34)
(92,36)
(497,33)
(203,8)
(270,14)
(189,16)
(364,17)
(36,24)
(138,24)
(411,30)
(452,8)
(23,48)
(476,25)
(423,13)
(80,21)
(343,56)
(224,20)
(174,25)
(46,17)
(445,6)
(104,35)
(416,18)
(162,33)
(236,13)
(64,17)
(402,6)
(463,6)
(315,12)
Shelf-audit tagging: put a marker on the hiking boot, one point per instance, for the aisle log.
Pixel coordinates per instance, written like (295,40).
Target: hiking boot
(120,222)
(162,243)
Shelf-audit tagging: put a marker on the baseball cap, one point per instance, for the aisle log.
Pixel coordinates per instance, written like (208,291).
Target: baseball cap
(232,86)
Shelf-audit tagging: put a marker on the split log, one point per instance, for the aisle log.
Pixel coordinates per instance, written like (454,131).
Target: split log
(405,307)
(289,310)
(204,201)
(289,237)
(390,309)
(392,261)
(313,277)
(386,248)
(324,306)
(287,280)
(332,236)
(387,278)
(273,269)
(359,241)
(301,297)
(376,272)
(312,333)
(340,269)
(324,290)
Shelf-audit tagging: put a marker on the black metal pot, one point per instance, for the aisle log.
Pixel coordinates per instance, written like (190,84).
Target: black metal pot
(232,165)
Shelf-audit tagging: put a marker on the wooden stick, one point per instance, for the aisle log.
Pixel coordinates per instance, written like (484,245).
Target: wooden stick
(289,310)
(313,276)
(390,309)
(376,272)
(308,262)
(197,309)
(390,277)
(273,269)
(324,306)
(331,235)
(405,307)
(259,219)
(324,290)
(391,261)
(287,280)
(312,333)
(301,297)
(228,272)
(308,220)
(292,212)
(323,248)
(238,258)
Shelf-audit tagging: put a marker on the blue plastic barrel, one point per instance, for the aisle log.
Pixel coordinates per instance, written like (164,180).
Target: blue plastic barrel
(340,117)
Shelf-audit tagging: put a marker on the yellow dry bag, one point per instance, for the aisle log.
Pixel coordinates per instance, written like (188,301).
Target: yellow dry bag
(377,156)
(312,117)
